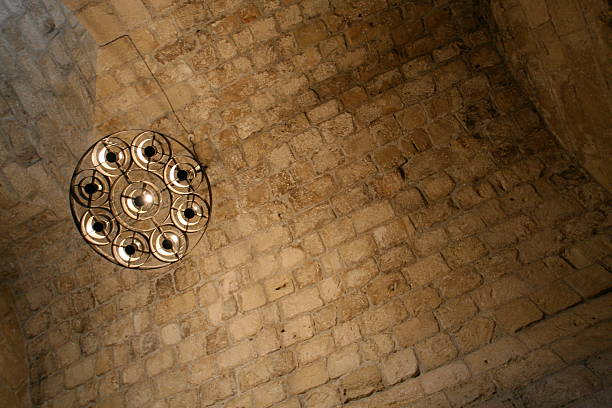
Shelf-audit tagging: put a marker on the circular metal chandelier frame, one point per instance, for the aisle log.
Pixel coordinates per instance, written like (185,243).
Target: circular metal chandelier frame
(140,198)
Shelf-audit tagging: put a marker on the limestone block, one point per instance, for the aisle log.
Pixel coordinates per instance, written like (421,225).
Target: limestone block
(235,356)
(413,330)
(517,314)
(308,377)
(79,373)
(310,34)
(360,383)
(444,377)
(217,389)
(100,21)
(159,362)
(343,361)
(399,366)
(295,330)
(245,326)
(132,12)
(303,301)
(427,269)
(268,394)
(495,354)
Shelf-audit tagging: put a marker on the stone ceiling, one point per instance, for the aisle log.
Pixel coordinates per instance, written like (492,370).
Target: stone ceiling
(394,223)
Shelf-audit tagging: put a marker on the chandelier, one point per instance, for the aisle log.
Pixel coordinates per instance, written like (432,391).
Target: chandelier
(140,198)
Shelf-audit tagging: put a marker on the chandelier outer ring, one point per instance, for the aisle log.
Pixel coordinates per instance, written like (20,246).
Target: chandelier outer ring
(78,210)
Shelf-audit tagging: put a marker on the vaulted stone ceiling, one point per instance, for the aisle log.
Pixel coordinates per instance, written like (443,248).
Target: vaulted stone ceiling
(47,89)
(394,224)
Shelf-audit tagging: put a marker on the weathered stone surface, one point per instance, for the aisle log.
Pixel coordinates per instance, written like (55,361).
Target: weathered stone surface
(399,366)
(308,377)
(393,224)
(495,354)
(159,362)
(303,301)
(79,373)
(389,315)
(427,269)
(563,34)
(413,330)
(567,385)
(444,377)
(217,389)
(517,314)
(343,361)
(531,365)
(435,351)
(474,333)
(360,383)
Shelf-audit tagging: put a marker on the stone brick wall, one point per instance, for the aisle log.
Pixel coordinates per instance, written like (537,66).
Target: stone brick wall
(394,225)
(14,381)
(559,51)
(47,70)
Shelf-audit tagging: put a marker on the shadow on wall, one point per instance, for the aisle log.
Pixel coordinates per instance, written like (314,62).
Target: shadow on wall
(13,368)
(559,52)
(47,92)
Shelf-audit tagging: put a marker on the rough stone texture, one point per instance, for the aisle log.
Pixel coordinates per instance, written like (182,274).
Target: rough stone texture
(394,225)
(542,40)
(47,70)
(14,378)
